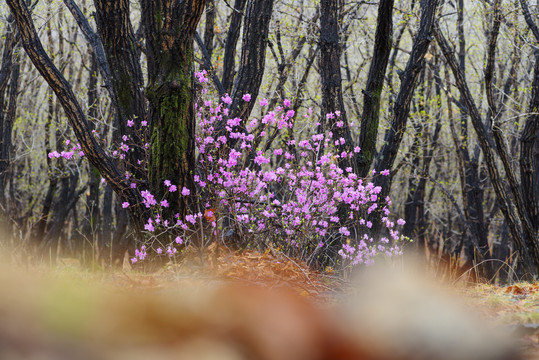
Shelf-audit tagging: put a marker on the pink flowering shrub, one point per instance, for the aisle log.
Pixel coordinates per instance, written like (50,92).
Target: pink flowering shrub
(287,199)
(290,195)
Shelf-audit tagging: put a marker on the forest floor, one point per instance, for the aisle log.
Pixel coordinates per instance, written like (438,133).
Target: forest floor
(513,308)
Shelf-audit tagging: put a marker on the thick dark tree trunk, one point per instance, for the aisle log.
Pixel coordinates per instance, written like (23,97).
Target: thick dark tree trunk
(209,32)
(118,38)
(170,27)
(501,147)
(330,64)
(529,154)
(330,76)
(232,37)
(401,108)
(253,56)
(6,127)
(252,63)
(7,70)
(375,83)
(529,138)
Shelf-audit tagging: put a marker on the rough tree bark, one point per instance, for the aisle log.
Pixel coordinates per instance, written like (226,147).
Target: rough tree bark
(6,126)
(330,76)
(169,27)
(7,71)
(209,32)
(375,83)
(232,37)
(401,108)
(253,56)
(118,39)
(252,63)
(529,137)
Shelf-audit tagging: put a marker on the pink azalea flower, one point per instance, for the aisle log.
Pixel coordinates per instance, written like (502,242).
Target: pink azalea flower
(226,99)
(149,227)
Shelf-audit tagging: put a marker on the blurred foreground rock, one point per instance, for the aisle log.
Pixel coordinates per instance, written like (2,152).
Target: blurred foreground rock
(387,317)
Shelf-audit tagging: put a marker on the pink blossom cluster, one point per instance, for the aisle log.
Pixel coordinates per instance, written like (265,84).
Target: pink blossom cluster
(274,190)
(68,155)
(290,194)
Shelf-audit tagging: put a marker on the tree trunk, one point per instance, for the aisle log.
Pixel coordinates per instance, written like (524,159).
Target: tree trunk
(116,32)
(6,117)
(370,118)
(529,154)
(233,34)
(97,47)
(253,56)
(90,228)
(6,126)
(330,76)
(401,109)
(529,138)
(170,27)
(209,26)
